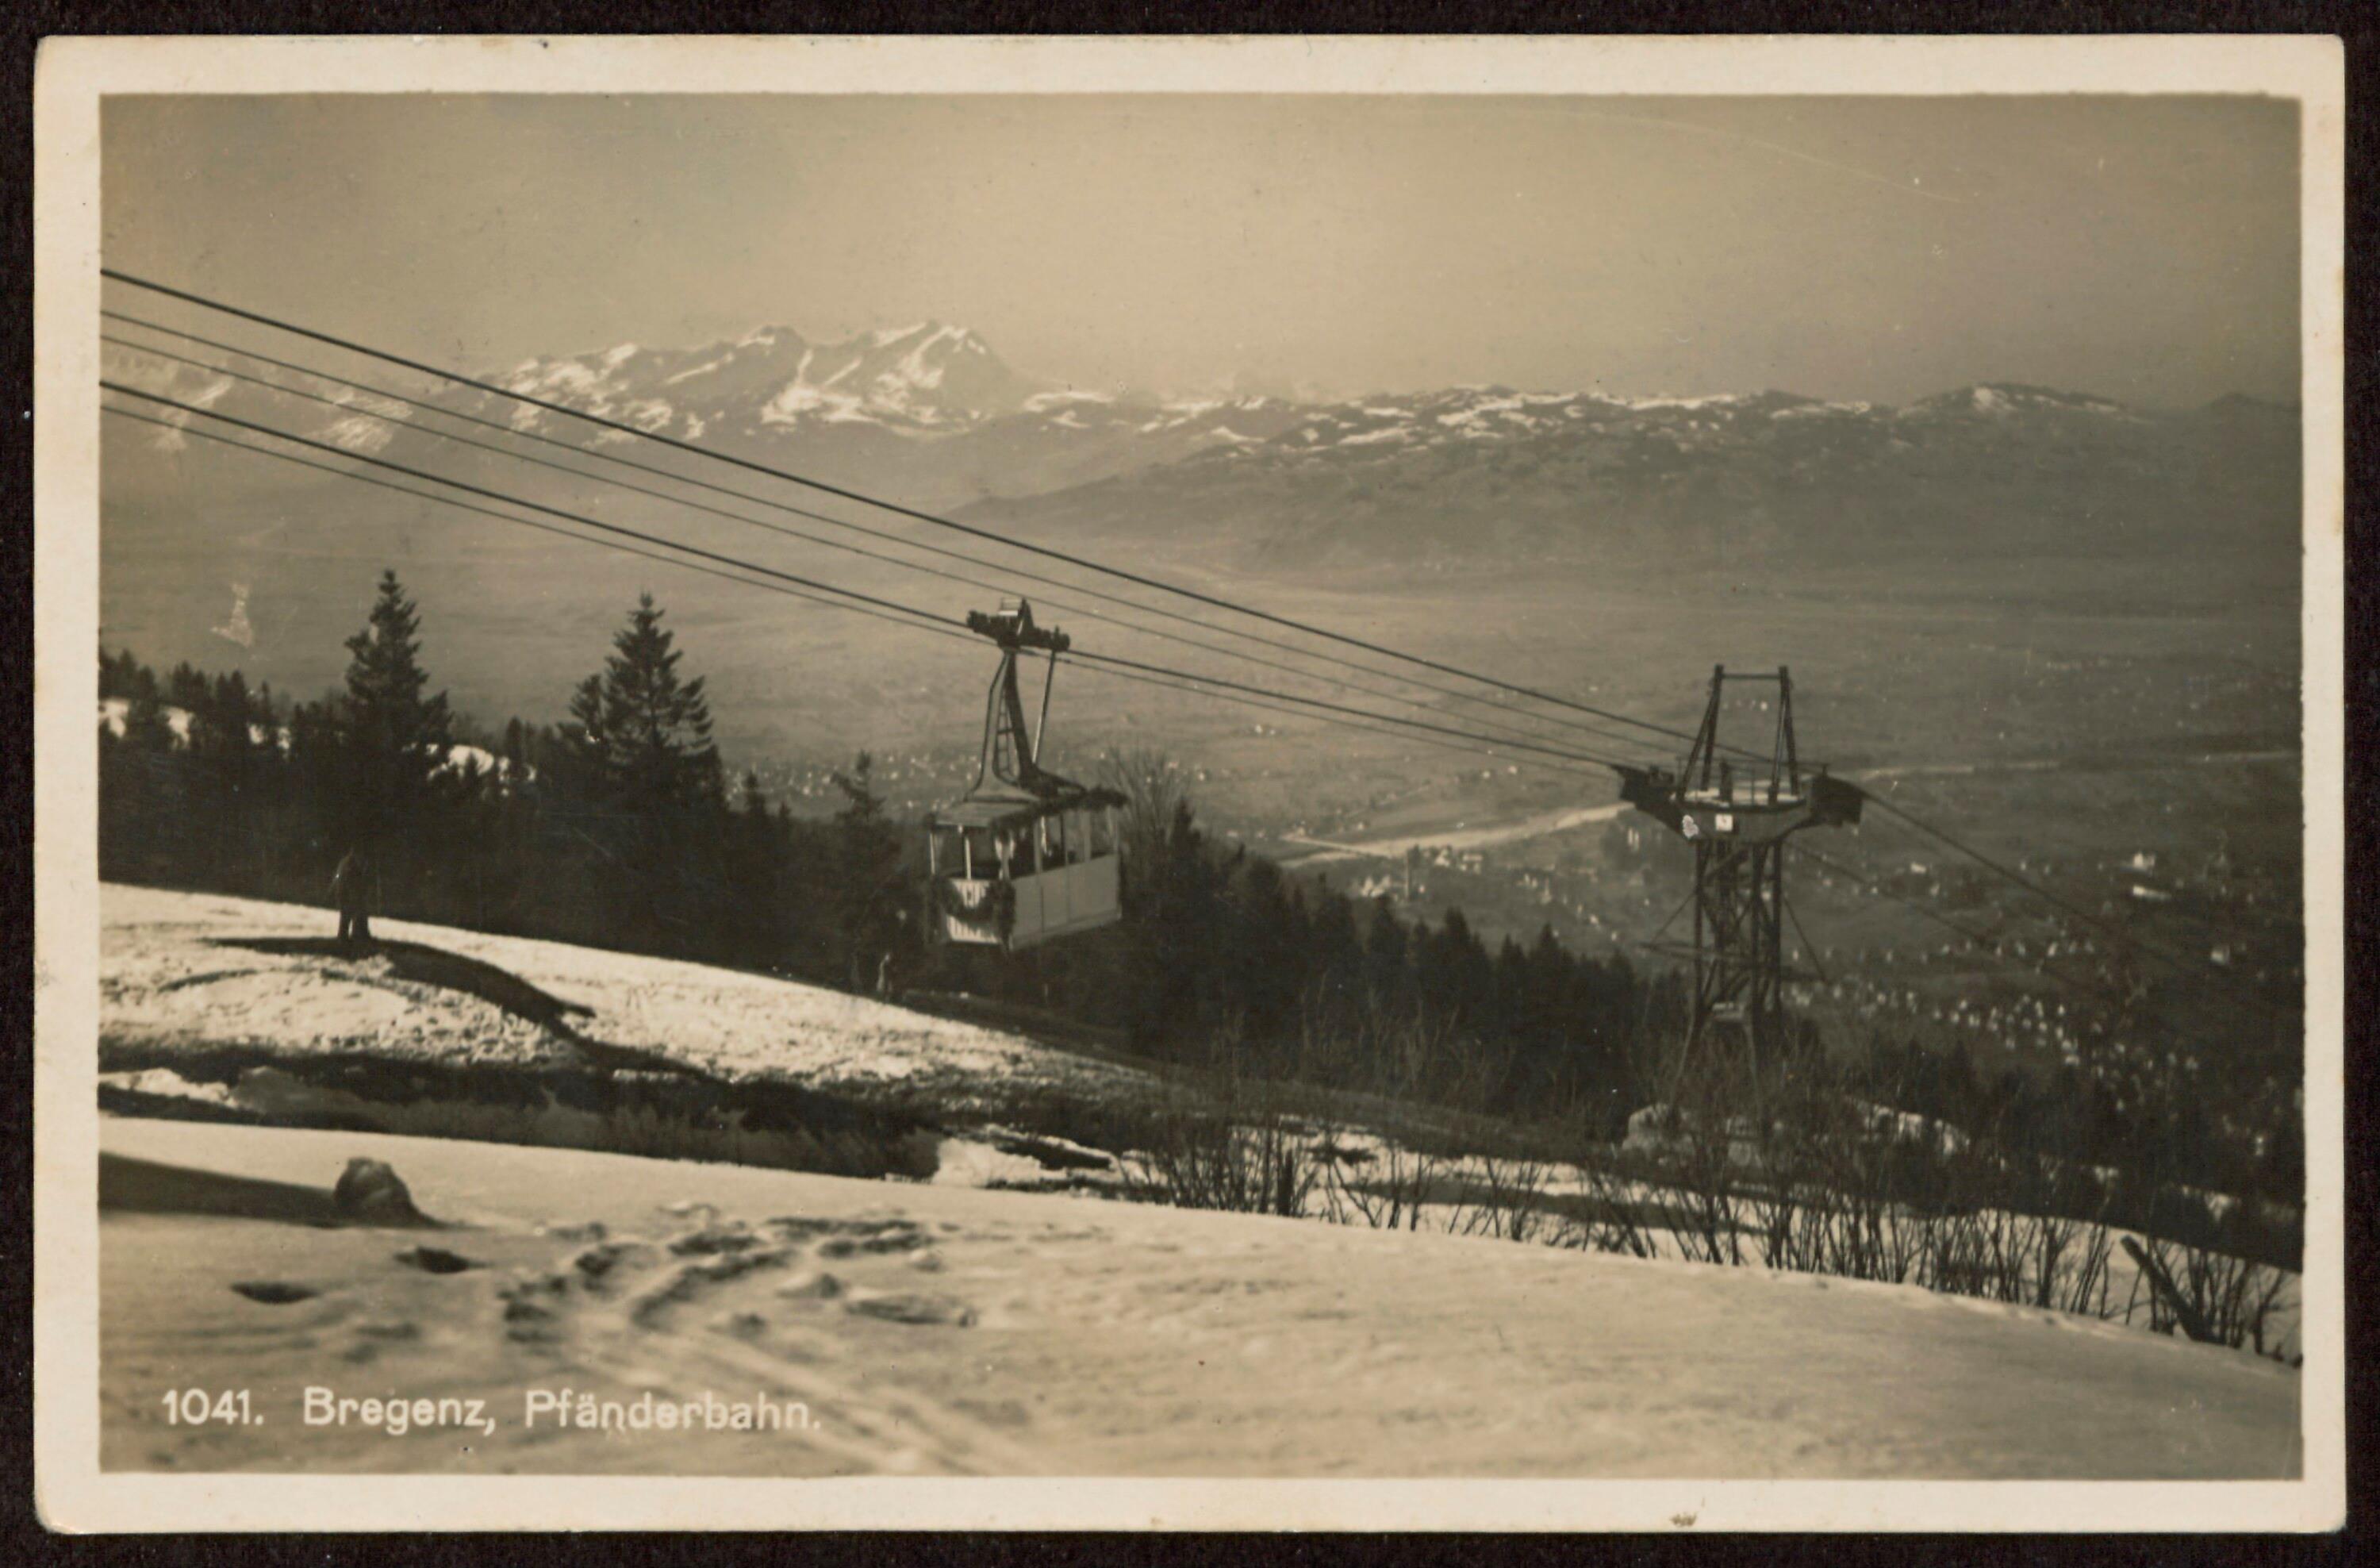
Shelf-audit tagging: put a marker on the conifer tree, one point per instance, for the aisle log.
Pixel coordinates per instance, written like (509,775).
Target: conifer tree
(644,731)
(640,743)
(396,735)
(872,901)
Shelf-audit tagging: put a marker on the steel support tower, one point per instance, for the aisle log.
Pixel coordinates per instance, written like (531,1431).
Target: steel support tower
(1737,821)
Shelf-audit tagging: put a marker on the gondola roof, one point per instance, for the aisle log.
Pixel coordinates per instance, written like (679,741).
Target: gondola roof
(1004,804)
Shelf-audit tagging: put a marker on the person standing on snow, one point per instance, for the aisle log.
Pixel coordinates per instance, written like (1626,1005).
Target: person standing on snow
(356,887)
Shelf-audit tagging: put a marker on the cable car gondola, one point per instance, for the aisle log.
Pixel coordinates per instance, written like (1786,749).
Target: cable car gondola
(1025,856)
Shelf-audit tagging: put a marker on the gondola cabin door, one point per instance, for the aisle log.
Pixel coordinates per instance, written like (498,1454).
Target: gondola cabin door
(1018,880)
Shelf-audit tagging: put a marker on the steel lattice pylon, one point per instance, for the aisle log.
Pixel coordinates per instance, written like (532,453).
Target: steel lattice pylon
(1737,827)
(1738,948)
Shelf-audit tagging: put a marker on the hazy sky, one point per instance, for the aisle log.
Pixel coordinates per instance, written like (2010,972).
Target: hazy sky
(2143,249)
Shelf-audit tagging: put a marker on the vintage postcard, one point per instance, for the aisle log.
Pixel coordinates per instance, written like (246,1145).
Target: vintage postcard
(1298,782)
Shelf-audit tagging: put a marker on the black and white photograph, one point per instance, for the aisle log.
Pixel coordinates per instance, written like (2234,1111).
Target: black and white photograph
(1628,778)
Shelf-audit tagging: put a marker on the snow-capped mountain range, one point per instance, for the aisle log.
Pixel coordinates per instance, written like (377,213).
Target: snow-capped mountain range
(921,379)
(929,412)
(932,416)
(1489,474)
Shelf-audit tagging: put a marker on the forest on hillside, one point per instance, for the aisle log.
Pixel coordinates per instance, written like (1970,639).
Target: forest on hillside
(620,827)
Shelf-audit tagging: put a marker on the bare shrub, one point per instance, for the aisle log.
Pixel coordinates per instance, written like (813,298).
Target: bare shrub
(1860,1165)
(1703,1131)
(1609,1214)
(1799,1172)
(1974,1241)
(2209,1295)
(1784,1194)
(1498,1197)
(1406,1054)
(1235,1148)
(1154,789)
(1509,1201)
(2073,1244)
(1388,1192)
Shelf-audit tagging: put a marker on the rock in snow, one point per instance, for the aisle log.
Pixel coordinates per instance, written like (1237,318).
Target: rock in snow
(372,1193)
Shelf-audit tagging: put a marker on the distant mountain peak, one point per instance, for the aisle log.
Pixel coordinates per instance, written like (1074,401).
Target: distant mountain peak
(925,378)
(2245,403)
(2009,397)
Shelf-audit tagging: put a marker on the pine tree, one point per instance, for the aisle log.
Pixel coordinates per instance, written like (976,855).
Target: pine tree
(395,735)
(645,731)
(755,929)
(871,895)
(139,779)
(146,728)
(639,740)
(1386,959)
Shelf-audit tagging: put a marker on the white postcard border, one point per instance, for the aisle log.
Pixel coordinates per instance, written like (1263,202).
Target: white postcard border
(74,73)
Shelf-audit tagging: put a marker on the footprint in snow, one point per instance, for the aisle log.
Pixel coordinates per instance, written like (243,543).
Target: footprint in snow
(819,1286)
(744,1325)
(885,1242)
(435,1260)
(593,1230)
(915,1308)
(714,1238)
(375,1335)
(532,1307)
(598,1267)
(691,1281)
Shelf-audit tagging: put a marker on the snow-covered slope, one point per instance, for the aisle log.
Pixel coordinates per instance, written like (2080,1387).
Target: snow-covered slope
(949,1329)
(945,1330)
(178,969)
